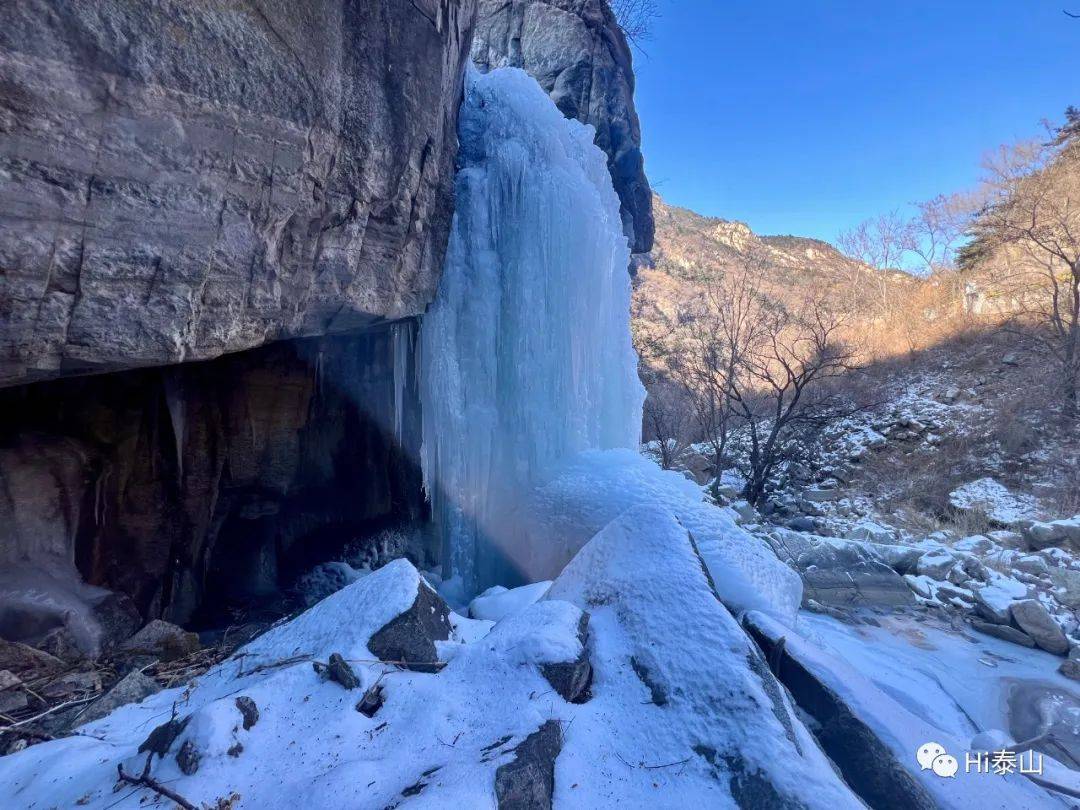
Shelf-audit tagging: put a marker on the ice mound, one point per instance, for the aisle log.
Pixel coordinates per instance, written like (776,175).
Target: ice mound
(596,487)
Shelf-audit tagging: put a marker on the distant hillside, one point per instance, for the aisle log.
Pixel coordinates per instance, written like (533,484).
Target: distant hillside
(692,250)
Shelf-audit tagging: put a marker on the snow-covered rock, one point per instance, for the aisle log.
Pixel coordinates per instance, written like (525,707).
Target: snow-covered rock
(1032,617)
(677,681)
(498,602)
(994,500)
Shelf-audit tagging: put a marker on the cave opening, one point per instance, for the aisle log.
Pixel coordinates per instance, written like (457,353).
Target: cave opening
(205,491)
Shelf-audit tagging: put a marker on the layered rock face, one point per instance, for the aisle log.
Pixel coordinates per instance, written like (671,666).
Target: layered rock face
(577,52)
(182,180)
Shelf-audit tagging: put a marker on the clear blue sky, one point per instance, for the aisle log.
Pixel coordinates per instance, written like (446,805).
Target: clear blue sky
(807,117)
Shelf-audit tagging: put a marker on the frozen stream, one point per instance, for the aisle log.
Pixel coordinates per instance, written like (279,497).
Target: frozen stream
(960,682)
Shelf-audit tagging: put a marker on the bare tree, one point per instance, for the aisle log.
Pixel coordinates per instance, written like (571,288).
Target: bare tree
(1028,235)
(635,17)
(721,327)
(781,394)
(666,418)
(879,243)
(753,367)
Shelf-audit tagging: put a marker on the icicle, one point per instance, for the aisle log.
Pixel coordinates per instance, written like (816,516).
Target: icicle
(174,401)
(402,338)
(526,351)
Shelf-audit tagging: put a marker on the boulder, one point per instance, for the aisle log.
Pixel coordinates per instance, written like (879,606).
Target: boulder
(528,781)
(1031,617)
(20,658)
(992,605)
(1003,631)
(850,575)
(163,640)
(132,688)
(1031,564)
(873,532)
(571,679)
(919,585)
(1070,669)
(410,637)
(1007,539)
(935,564)
(118,618)
(1041,535)
(1066,586)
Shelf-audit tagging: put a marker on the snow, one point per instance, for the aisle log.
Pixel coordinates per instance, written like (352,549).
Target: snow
(661,637)
(526,357)
(594,488)
(912,683)
(47,593)
(498,602)
(995,500)
(449,731)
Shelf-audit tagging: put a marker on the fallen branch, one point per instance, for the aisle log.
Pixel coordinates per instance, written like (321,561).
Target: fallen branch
(47,712)
(645,767)
(147,781)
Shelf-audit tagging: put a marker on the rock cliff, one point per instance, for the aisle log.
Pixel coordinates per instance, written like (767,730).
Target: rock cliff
(181,180)
(579,55)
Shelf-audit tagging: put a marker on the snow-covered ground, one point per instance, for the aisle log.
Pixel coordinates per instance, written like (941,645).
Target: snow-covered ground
(682,709)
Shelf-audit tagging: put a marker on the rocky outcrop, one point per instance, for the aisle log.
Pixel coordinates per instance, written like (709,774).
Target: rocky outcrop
(579,55)
(185,181)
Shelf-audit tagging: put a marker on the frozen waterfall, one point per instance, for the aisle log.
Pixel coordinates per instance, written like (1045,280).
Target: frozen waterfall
(526,352)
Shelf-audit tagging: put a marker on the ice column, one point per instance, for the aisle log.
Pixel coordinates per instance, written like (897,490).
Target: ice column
(526,352)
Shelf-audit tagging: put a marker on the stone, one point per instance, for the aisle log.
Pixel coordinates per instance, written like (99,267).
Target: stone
(215,184)
(1070,669)
(528,781)
(339,671)
(871,532)
(820,495)
(991,609)
(1041,535)
(579,55)
(867,762)
(918,586)
(1031,564)
(801,523)
(411,637)
(1031,617)
(162,639)
(132,688)
(372,701)
(59,642)
(975,544)
(188,757)
(12,698)
(571,679)
(20,658)
(935,564)
(1007,539)
(1003,631)
(850,575)
(119,619)
(249,711)
(1066,586)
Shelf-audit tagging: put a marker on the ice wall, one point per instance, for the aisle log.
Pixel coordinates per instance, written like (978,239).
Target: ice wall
(526,357)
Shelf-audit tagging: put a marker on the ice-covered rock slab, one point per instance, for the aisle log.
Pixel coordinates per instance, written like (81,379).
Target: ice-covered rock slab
(660,629)
(873,736)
